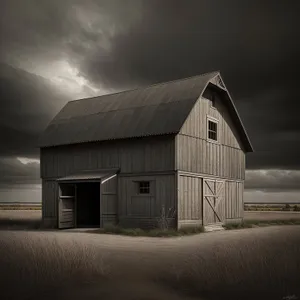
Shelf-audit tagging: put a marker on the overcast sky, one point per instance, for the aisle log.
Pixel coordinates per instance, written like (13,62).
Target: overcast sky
(53,51)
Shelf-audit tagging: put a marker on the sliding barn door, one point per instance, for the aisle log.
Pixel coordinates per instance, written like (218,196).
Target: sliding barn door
(213,202)
(67,206)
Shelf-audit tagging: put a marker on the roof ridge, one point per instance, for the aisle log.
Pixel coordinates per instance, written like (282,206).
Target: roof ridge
(149,86)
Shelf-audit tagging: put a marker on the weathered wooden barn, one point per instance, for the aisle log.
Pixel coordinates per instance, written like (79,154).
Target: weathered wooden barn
(177,147)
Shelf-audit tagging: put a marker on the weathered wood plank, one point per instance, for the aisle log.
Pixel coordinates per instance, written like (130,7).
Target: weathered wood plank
(161,193)
(234,199)
(189,199)
(49,198)
(135,155)
(198,156)
(195,125)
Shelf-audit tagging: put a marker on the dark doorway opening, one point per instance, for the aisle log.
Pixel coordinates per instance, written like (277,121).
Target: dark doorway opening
(88,204)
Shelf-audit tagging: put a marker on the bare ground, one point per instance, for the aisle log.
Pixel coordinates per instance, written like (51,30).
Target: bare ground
(259,263)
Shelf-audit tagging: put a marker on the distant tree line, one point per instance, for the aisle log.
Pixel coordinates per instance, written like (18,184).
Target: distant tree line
(286,207)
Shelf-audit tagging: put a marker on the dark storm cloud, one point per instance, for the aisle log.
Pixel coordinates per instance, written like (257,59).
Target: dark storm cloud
(45,30)
(28,103)
(15,173)
(124,44)
(178,39)
(254,45)
(272,180)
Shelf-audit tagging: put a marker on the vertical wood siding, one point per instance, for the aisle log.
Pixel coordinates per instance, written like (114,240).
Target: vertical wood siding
(189,201)
(109,205)
(234,199)
(135,208)
(49,199)
(196,123)
(199,156)
(194,153)
(132,156)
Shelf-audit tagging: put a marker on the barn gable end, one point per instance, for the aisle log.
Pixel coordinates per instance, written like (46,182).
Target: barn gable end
(212,162)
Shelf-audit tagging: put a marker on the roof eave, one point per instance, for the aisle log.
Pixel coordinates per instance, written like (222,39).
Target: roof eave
(44,146)
(246,140)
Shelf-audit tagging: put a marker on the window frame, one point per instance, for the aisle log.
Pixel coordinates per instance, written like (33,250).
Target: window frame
(139,188)
(211,119)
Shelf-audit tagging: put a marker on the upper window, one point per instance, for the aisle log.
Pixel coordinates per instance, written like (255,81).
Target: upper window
(212,130)
(144,187)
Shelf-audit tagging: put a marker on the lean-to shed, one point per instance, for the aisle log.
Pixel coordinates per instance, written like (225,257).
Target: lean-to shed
(175,149)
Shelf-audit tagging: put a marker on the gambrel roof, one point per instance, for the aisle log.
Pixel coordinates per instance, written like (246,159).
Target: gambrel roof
(159,109)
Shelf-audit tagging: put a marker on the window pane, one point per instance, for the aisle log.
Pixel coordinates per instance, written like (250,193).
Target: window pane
(144,187)
(212,135)
(212,125)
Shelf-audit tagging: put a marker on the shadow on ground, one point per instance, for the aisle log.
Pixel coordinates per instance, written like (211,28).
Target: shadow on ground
(6,223)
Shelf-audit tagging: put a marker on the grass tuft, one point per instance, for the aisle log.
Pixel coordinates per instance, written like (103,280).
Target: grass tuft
(114,229)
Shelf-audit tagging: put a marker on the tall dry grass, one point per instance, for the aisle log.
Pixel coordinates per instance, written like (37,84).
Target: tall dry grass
(260,263)
(40,263)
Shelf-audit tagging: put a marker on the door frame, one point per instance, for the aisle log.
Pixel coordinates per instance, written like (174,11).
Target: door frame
(74,183)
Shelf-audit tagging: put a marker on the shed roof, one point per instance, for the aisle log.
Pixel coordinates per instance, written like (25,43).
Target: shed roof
(155,110)
(89,175)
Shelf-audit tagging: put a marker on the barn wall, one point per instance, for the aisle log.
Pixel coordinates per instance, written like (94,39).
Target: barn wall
(224,160)
(49,202)
(145,210)
(131,156)
(189,201)
(200,156)
(234,202)
(196,126)
(194,153)
(108,203)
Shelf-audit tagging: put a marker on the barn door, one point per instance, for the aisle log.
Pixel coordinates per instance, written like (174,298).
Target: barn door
(66,207)
(213,202)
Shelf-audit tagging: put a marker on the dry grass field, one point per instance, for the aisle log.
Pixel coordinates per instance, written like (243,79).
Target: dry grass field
(260,263)
(271,215)
(256,263)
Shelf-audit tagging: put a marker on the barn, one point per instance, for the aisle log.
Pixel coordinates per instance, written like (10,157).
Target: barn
(172,152)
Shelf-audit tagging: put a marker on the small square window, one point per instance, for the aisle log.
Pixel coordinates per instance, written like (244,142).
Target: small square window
(212,130)
(144,187)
